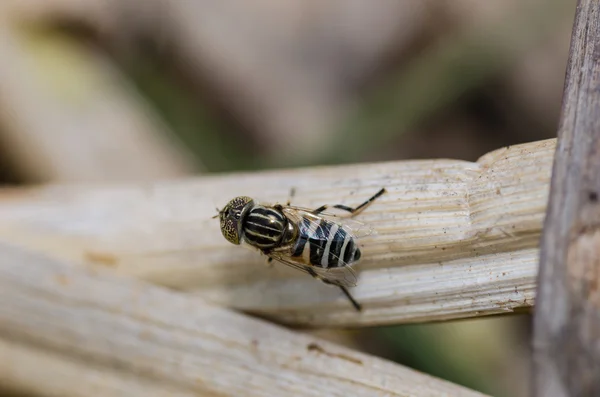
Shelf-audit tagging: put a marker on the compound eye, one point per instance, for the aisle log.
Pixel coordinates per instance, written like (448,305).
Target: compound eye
(238,215)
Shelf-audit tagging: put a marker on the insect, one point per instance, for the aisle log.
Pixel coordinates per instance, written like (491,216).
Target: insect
(313,241)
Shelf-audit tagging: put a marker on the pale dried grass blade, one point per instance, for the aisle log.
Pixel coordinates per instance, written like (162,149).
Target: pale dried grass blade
(71,332)
(455,238)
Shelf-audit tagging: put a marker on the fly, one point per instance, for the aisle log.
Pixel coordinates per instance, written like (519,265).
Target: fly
(313,241)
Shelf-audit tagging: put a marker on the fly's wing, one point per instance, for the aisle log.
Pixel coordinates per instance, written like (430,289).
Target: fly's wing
(356,228)
(341,276)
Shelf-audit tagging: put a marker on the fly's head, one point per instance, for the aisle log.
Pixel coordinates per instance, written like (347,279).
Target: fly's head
(231,218)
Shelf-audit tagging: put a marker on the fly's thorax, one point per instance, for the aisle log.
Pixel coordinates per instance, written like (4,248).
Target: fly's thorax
(325,244)
(266,227)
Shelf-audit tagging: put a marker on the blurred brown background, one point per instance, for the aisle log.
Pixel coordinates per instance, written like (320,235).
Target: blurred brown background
(130,90)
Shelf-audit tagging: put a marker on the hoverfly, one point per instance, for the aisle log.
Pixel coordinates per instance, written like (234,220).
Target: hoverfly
(313,241)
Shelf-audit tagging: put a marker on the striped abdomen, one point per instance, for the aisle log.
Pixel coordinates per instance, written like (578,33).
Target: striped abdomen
(325,244)
(265,227)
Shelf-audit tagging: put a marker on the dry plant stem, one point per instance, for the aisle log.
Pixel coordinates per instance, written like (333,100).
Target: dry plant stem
(454,239)
(73,332)
(567,320)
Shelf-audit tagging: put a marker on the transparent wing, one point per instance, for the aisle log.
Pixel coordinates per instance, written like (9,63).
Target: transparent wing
(356,228)
(344,273)
(340,276)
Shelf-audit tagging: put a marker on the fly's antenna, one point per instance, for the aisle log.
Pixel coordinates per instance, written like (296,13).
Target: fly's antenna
(218,210)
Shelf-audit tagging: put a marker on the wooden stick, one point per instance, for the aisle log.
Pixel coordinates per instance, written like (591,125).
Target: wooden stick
(71,332)
(567,321)
(454,238)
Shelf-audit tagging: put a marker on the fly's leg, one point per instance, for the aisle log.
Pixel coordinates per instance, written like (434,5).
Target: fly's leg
(363,206)
(279,207)
(270,262)
(291,196)
(350,210)
(320,209)
(267,252)
(356,305)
